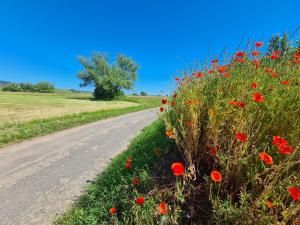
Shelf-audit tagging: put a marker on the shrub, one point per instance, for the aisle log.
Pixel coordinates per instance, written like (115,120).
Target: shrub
(241,120)
(143,93)
(43,87)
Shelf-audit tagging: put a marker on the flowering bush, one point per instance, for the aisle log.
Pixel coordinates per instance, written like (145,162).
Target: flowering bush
(237,127)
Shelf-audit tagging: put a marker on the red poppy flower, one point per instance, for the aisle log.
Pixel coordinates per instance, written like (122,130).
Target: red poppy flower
(140,201)
(240,60)
(285,82)
(297,56)
(296,61)
(258,97)
(214,61)
(256,63)
(274,74)
(128,165)
(177,168)
(274,56)
(164,101)
(172,103)
(198,75)
(268,70)
(241,137)
(239,54)
(295,193)
(211,71)
(259,44)
(169,133)
(213,151)
(255,53)
(136,181)
(161,109)
(266,158)
(226,74)
(222,69)
(279,141)
(285,149)
(163,208)
(254,85)
(216,176)
(112,211)
(177,79)
(174,95)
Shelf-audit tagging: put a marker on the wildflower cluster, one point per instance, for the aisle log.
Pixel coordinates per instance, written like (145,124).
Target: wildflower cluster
(239,124)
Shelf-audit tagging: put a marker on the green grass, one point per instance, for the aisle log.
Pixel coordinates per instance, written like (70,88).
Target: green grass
(113,188)
(62,110)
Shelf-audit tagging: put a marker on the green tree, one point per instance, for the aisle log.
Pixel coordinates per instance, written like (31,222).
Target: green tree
(107,79)
(274,44)
(143,93)
(278,43)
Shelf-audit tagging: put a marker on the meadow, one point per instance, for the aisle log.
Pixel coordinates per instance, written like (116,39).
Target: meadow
(26,115)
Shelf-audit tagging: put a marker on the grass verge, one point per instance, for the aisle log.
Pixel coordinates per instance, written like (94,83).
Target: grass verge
(14,132)
(114,188)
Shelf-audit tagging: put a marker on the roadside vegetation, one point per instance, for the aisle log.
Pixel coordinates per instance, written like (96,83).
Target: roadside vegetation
(227,153)
(27,115)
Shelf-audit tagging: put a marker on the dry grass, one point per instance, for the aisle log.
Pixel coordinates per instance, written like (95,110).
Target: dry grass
(23,107)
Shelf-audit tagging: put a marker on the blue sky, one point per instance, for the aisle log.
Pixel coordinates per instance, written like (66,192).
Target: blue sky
(39,40)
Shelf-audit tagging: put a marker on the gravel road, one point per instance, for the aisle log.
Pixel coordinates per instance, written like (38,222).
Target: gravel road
(41,177)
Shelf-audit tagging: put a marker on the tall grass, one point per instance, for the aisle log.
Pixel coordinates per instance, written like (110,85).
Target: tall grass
(223,117)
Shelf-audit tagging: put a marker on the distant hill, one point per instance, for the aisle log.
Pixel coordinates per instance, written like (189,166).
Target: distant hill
(3,82)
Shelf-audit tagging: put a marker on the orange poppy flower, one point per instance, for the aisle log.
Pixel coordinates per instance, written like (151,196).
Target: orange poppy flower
(216,176)
(214,61)
(255,53)
(140,201)
(241,137)
(198,74)
(177,168)
(258,97)
(112,211)
(222,69)
(266,158)
(163,208)
(226,74)
(285,82)
(211,71)
(169,133)
(256,62)
(270,204)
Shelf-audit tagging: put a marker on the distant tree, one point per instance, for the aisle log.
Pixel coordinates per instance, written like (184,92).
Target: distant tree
(108,79)
(143,93)
(12,88)
(274,44)
(278,43)
(135,94)
(44,87)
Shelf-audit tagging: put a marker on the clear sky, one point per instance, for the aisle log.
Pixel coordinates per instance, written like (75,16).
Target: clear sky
(39,40)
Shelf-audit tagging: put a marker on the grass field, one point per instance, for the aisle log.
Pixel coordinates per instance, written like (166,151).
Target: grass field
(26,115)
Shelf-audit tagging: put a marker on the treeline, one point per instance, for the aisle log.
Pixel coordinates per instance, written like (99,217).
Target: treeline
(42,87)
